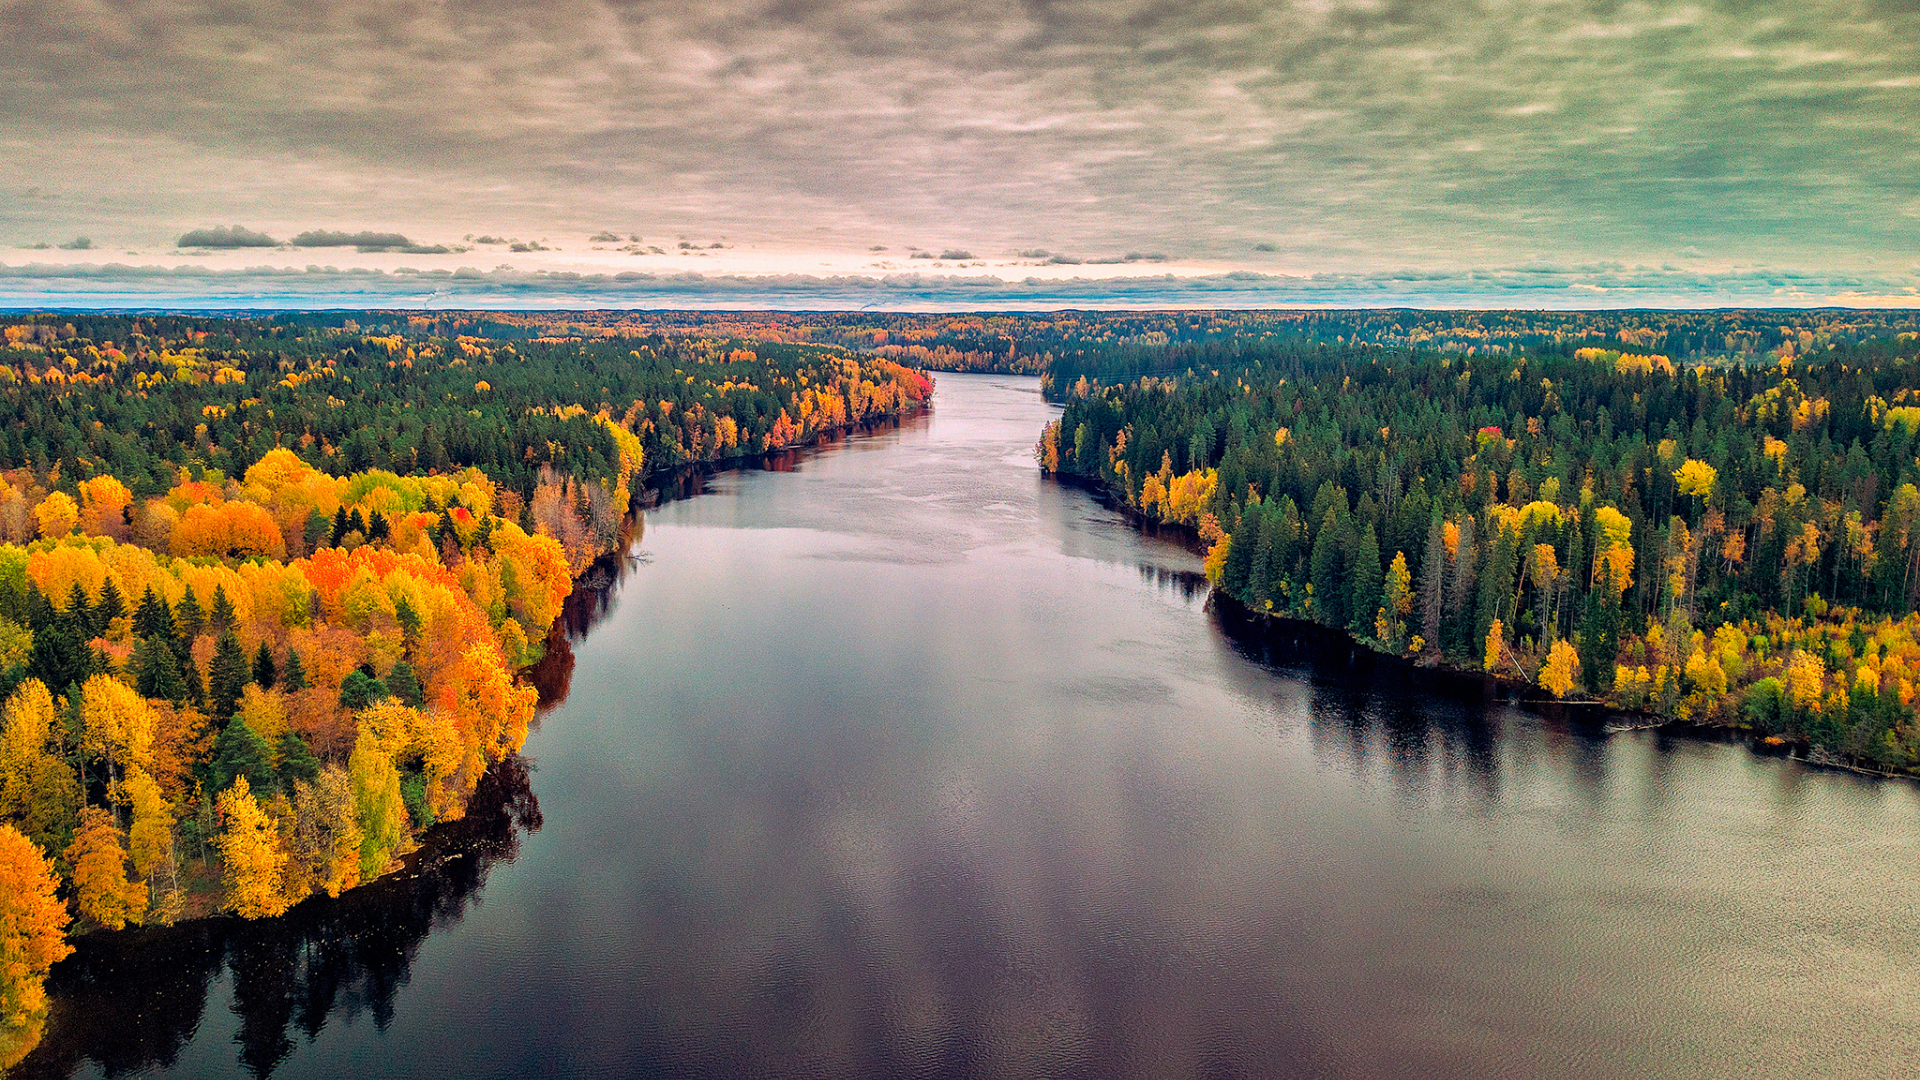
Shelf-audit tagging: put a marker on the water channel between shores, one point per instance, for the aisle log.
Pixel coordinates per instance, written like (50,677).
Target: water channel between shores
(901,760)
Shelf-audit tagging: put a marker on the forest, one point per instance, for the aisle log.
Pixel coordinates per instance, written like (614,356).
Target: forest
(1730,544)
(267,585)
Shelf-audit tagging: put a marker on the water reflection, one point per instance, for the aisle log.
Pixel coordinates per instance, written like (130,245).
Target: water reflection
(131,1001)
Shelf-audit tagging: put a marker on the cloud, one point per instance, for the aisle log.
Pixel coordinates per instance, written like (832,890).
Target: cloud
(365,241)
(78,243)
(1556,286)
(1349,135)
(232,236)
(604,237)
(957,255)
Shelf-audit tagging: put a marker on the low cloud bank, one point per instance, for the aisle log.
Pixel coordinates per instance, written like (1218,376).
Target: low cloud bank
(40,286)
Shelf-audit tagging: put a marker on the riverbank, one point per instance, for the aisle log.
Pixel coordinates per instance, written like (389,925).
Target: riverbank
(1598,716)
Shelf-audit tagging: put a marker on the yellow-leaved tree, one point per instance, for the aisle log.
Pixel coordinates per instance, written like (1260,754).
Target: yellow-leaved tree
(250,849)
(1496,644)
(33,924)
(1557,673)
(150,843)
(38,789)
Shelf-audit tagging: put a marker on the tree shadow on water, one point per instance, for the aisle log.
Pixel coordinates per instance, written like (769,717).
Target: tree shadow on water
(132,1001)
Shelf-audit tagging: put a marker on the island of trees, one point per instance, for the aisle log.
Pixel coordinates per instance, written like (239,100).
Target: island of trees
(265,585)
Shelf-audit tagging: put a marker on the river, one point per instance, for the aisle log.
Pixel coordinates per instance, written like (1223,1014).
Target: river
(903,761)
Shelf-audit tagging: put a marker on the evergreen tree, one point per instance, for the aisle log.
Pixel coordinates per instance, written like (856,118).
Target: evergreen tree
(316,529)
(220,616)
(1366,584)
(79,614)
(340,527)
(294,679)
(188,619)
(157,671)
(110,606)
(264,672)
(404,685)
(1433,573)
(153,618)
(1330,590)
(240,751)
(40,611)
(227,676)
(193,687)
(296,761)
(359,690)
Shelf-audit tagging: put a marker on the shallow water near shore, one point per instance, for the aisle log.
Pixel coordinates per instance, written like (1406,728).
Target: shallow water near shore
(908,762)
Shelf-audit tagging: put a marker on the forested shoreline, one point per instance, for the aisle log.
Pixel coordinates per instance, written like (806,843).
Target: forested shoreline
(265,585)
(1729,545)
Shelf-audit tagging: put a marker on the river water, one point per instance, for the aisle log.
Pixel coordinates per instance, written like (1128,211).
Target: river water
(907,762)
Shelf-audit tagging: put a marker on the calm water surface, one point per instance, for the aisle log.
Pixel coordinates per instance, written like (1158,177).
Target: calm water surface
(910,763)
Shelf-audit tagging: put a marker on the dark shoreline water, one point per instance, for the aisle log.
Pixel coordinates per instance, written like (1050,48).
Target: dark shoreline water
(906,762)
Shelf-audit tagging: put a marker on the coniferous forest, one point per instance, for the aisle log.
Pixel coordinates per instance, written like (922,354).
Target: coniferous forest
(1735,543)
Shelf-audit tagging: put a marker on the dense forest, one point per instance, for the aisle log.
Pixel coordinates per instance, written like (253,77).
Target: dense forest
(1729,544)
(265,585)
(1162,343)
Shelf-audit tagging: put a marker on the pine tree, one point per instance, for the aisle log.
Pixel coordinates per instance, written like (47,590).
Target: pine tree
(153,618)
(40,613)
(359,690)
(294,679)
(264,672)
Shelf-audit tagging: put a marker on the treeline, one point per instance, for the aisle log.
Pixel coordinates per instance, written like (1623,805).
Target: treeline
(142,398)
(1730,545)
(1147,342)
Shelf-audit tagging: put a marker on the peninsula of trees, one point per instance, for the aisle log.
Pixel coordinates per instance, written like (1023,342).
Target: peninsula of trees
(1734,544)
(265,585)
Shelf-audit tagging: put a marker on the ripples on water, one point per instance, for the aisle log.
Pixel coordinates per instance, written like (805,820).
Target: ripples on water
(901,761)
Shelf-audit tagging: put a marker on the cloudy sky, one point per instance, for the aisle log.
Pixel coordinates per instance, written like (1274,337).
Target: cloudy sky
(920,152)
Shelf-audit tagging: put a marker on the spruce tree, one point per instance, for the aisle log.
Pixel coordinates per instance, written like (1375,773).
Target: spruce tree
(264,671)
(227,676)
(110,606)
(188,619)
(296,760)
(294,679)
(220,616)
(79,614)
(404,685)
(1366,582)
(240,751)
(1330,591)
(157,670)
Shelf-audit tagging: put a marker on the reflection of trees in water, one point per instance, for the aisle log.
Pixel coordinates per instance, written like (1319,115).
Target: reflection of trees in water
(132,1001)
(1430,726)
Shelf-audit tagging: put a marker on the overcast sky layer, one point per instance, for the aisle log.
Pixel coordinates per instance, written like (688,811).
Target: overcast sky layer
(1492,154)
